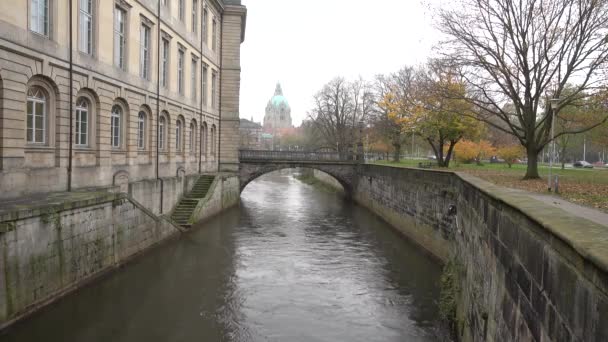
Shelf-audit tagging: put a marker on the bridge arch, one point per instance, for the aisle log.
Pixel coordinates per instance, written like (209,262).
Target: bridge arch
(343,173)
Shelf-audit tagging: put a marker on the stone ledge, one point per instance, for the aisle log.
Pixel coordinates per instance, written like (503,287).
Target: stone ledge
(44,204)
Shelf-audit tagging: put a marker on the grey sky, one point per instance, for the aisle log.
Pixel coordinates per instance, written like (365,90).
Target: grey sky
(304,44)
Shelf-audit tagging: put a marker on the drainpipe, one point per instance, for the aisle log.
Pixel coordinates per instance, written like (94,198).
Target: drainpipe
(158,44)
(219,126)
(157,86)
(71,137)
(200,117)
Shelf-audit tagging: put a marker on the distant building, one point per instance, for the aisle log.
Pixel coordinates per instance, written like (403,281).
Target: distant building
(278,112)
(250,135)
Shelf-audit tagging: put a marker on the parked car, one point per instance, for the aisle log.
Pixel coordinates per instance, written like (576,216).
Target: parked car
(583,164)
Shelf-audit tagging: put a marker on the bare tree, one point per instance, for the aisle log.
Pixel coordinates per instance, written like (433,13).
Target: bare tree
(339,109)
(524,53)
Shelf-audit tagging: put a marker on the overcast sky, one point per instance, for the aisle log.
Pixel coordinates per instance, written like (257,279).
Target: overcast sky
(304,44)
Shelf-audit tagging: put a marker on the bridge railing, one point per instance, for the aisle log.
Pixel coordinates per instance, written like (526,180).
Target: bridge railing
(262,155)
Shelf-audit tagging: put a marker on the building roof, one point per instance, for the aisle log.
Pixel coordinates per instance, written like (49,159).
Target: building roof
(248,124)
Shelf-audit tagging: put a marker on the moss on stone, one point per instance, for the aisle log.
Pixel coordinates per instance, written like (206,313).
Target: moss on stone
(448,297)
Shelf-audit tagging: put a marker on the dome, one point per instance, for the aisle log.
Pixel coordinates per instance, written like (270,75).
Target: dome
(278,97)
(278,112)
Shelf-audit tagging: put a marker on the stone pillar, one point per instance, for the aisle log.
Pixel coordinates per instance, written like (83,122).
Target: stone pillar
(233,34)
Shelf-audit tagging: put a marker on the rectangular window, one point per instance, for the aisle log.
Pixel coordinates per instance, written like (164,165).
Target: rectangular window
(81,127)
(180,9)
(144,52)
(205,24)
(213,89)
(120,16)
(165,64)
(193,72)
(161,134)
(35,120)
(195,16)
(180,71)
(39,16)
(205,84)
(141,131)
(214,35)
(86,26)
(115,129)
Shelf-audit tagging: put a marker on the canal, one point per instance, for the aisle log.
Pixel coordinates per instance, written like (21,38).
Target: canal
(293,263)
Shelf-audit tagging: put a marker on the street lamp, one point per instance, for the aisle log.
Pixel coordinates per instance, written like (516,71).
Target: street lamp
(554,103)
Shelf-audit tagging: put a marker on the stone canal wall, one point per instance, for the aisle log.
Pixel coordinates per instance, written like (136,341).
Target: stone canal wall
(525,271)
(223,194)
(49,251)
(61,241)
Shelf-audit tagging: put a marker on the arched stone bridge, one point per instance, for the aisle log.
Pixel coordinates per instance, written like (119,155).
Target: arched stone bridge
(341,166)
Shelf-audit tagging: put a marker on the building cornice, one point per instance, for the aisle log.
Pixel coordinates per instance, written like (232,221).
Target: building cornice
(238,10)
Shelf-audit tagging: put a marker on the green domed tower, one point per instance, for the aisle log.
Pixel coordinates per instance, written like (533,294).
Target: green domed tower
(278,112)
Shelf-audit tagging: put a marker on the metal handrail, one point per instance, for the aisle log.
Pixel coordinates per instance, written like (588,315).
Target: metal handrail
(258,155)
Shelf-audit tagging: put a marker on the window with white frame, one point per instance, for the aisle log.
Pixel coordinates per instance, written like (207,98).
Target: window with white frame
(191,137)
(214,35)
(193,72)
(164,67)
(161,133)
(195,16)
(144,52)
(115,126)
(205,83)
(205,25)
(180,71)
(82,122)
(36,116)
(120,26)
(213,89)
(141,130)
(86,26)
(40,17)
(213,140)
(178,135)
(204,139)
(181,6)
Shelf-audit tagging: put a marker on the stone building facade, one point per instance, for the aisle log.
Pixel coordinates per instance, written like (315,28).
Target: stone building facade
(278,112)
(251,135)
(149,89)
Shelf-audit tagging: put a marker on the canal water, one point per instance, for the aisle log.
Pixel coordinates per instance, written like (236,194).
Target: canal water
(293,263)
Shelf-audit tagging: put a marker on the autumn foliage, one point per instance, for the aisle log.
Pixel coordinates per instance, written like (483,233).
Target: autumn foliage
(470,151)
(511,153)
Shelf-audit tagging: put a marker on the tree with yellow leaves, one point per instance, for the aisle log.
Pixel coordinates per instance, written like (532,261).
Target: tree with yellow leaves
(429,103)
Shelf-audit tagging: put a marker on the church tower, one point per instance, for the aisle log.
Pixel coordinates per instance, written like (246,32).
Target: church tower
(278,112)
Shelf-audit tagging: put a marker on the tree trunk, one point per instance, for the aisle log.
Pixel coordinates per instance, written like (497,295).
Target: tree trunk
(397,153)
(532,169)
(448,157)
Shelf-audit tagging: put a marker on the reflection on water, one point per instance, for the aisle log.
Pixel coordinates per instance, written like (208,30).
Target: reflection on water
(291,264)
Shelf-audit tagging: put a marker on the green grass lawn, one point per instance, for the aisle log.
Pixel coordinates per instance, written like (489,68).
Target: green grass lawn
(584,186)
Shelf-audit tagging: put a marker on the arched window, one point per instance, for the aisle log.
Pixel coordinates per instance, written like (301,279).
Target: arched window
(36,116)
(178,135)
(115,126)
(213,140)
(204,139)
(141,130)
(191,137)
(82,122)
(161,133)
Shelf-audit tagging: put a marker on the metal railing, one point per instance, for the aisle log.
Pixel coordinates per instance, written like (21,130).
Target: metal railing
(297,156)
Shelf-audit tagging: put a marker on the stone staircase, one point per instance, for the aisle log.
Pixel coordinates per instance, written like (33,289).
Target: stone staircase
(184,209)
